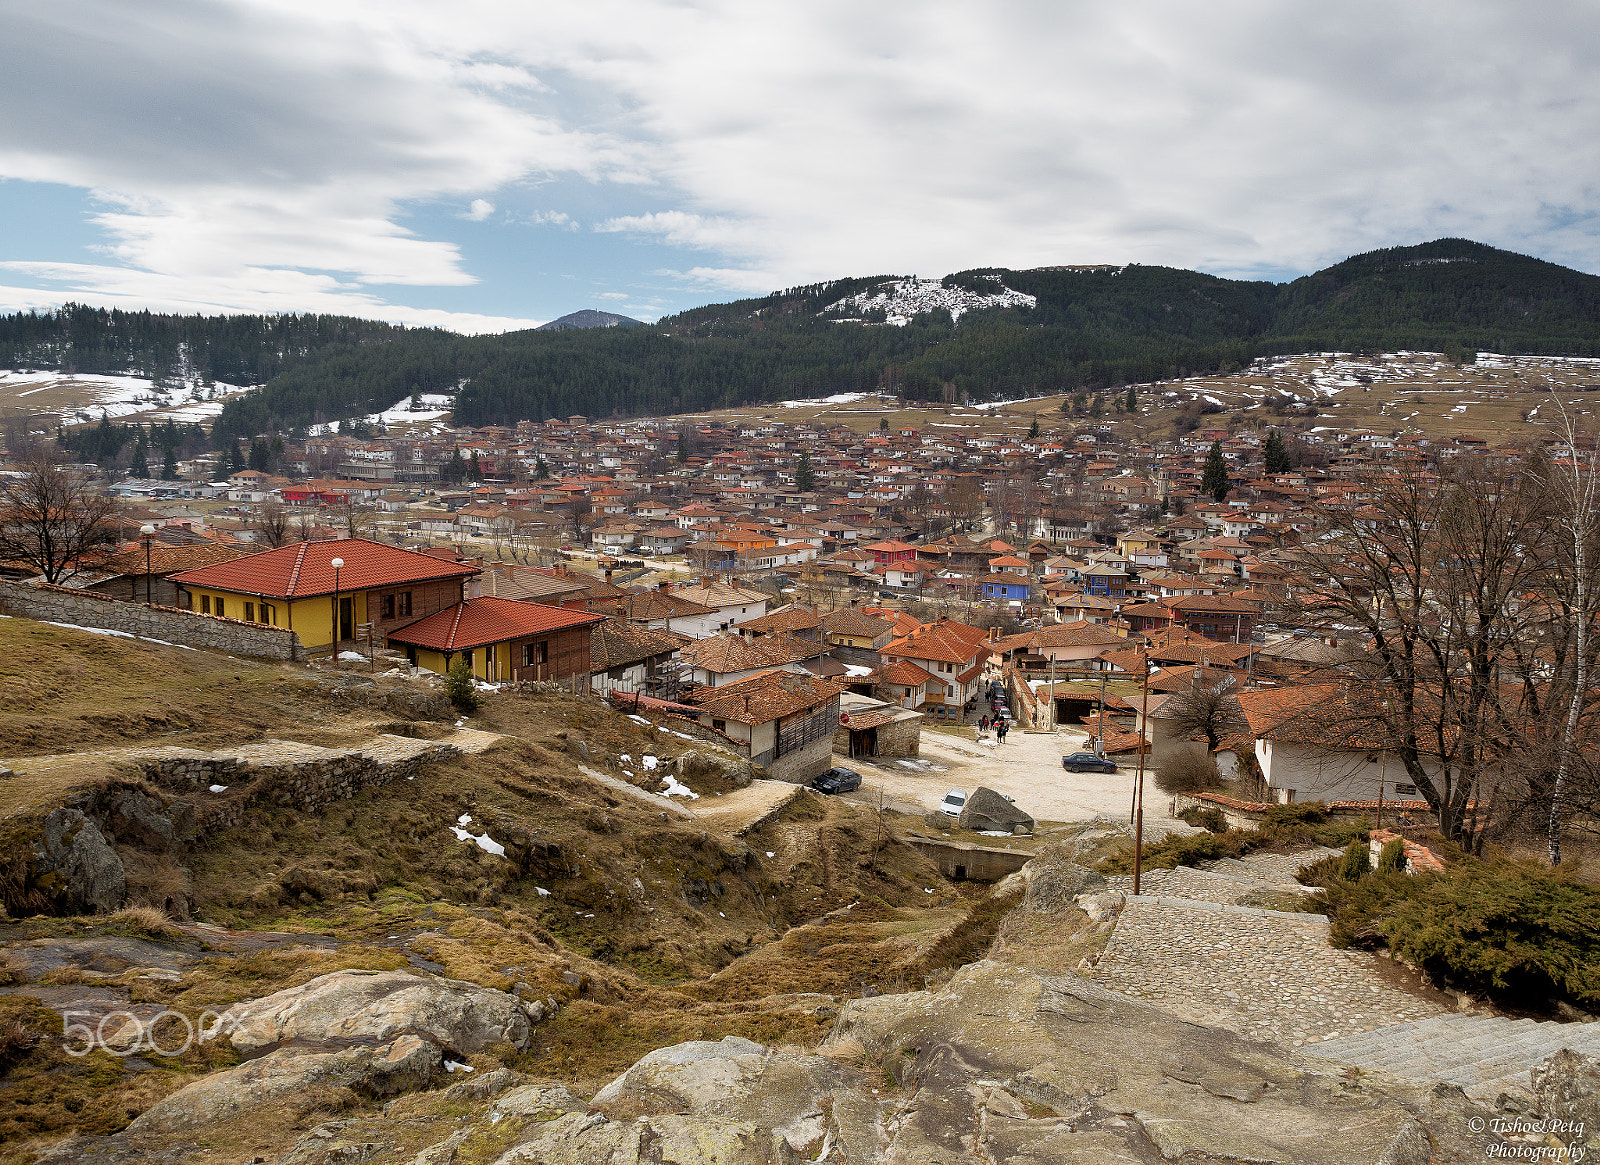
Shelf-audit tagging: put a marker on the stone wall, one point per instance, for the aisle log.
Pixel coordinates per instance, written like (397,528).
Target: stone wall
(959,861)
(307,785)
(799,766)
(167,624)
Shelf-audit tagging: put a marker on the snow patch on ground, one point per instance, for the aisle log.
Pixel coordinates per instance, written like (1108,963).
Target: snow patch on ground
(676,788)
(902,299)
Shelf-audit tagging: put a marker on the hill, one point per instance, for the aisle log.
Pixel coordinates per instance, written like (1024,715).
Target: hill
(588,318)
(982,334)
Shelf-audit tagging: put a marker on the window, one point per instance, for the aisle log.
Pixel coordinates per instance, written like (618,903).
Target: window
(403,604)
(386,606)
(720,725)
(219,605)
(1405,790)
(249,612)
(205,604)
(269,614)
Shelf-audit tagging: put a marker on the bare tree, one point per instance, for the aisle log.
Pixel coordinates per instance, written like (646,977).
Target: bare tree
(271,524)
(1206,709)
(55,519)
(1574,485)
(580,513)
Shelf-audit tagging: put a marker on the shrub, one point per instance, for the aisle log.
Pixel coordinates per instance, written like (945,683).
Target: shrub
(1393,858)
(458,686)
(1209,817)
(1502,927)
(1356,864)
(1304,823)
(1188,772)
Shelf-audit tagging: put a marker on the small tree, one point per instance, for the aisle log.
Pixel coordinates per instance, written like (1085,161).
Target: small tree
(54,520)
(140,467)
(1356,863)
(1215,479)
(1033,429)
(1393,858)
(458,686)
(169,464)
(1132,403)
(805,479)
(271,524)
(883,424)
(1275,454)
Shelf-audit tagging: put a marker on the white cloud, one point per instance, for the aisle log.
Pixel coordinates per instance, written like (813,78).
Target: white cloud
(265,150)
(478,210)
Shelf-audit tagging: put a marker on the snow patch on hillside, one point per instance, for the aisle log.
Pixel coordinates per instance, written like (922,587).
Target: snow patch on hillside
(81,397)
(905,298)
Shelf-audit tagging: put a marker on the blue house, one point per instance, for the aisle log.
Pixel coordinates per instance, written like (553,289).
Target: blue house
(1004,587)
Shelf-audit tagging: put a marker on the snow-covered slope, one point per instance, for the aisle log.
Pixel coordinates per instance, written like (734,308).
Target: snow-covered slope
(904,298)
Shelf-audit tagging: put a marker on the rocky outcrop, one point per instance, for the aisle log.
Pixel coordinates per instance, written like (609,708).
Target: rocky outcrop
(705,764)
(74,866)
(1566,1088)
(374,1006)
(401,1065)
(988,811)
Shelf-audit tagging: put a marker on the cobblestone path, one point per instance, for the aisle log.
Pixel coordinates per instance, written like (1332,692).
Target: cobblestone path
(1266,974)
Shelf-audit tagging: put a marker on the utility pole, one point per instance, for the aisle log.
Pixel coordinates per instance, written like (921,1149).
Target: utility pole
(1138,796)
(1100,732)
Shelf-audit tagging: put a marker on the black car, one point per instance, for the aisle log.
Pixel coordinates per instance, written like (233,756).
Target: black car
(837,781)
(1087,762)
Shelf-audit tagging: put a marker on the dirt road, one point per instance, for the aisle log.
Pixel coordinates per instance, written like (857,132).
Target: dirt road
(1027,767)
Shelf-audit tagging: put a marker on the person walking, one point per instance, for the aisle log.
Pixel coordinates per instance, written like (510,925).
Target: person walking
(1000,731)
(983,724)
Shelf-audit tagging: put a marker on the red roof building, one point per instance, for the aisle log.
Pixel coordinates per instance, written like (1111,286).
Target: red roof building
(503,639)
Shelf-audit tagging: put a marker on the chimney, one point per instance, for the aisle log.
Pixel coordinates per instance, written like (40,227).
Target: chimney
(664,586)
(608,574)
(854,603)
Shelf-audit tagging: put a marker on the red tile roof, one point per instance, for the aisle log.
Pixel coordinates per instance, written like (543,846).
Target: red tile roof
(481,621)
(303,569)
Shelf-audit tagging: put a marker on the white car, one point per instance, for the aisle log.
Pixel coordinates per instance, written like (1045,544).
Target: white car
(954,801)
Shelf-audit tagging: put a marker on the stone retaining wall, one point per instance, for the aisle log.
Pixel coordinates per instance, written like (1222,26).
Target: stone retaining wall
(307,786)
(167,624)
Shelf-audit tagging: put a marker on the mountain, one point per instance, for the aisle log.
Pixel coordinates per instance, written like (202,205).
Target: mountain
(980,334)
(588,318)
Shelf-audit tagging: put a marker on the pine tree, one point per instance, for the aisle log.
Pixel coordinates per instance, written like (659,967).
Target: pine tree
(1132,403)
(474,469)
(804,478)
(1033,429)
(260,454)
(883,423)
(1215,479)
(169,464)
(235,458)
(1097,405)
(456,469)
(541,471)
(140,467)
(1275,454)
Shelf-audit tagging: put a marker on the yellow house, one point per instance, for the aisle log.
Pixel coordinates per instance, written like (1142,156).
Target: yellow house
(299,588)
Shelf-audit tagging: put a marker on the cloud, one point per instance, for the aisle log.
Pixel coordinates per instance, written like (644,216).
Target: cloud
(480,209)
(268,150)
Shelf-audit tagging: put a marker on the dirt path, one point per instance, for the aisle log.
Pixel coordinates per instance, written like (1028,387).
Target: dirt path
(735,812)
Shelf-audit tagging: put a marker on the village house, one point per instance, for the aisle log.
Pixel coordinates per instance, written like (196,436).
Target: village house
(297,587)
(784,721)
(502,639)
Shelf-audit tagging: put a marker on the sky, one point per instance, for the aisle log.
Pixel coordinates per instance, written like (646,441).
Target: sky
(489,166)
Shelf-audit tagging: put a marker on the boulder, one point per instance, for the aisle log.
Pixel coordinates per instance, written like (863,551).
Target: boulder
(401,1065)
(75,866)
(988,810)
(373,1006)
(1007,1064)
(701,764)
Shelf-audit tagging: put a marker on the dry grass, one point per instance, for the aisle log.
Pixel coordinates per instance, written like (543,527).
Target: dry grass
(144,922)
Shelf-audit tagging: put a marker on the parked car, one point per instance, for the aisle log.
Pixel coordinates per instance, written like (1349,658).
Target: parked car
(954,801)
(1087,762)
(837,781)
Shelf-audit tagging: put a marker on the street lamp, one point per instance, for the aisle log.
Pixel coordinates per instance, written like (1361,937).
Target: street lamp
(147,532)
(336,564)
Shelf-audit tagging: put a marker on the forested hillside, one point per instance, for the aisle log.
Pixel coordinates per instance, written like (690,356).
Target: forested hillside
(242,349)
(1088,328)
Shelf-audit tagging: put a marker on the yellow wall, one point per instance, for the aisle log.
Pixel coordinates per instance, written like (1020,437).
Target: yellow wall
(484,661)
(311,619)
